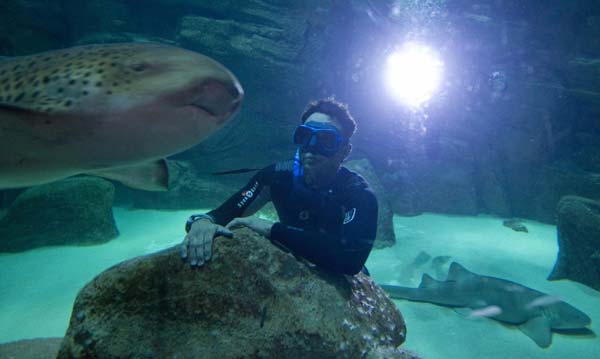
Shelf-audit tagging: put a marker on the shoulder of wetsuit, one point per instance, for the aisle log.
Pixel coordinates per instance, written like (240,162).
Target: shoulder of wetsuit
(284,166)
(276,171)
(352,180)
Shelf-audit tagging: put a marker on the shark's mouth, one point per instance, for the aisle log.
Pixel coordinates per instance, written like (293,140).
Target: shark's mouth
(203,108)
(216,98)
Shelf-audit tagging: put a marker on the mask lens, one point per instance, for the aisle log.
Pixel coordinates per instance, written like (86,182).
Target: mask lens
(327,139)
(302,135)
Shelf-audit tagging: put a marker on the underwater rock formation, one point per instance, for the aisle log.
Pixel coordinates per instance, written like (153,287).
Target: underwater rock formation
(39,348)
(251,300)
(188,189)
(385,226)
(578,241)
(491,191)
(446,187)
(75,211)
(275,34)
(557,182)
(434,186)
(515,224)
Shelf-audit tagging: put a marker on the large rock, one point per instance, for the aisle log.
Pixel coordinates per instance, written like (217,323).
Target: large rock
(578,241)
(75,211)
(385,225)
(252,300)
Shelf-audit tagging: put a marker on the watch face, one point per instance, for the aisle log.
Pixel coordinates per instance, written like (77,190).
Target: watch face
(304,215)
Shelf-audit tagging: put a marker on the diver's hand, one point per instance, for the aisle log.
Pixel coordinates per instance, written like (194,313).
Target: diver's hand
(197,244)
(259,225)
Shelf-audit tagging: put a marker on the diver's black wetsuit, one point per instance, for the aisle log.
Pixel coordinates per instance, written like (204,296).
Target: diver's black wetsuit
(333,228)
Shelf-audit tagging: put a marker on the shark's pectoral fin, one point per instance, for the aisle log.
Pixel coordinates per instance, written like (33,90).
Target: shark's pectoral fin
(539,330)
(149,176)
(427,281)
(456,272)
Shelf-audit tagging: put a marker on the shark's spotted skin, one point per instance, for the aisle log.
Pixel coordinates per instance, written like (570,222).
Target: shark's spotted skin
(57,81)
(534,312)
(112,110)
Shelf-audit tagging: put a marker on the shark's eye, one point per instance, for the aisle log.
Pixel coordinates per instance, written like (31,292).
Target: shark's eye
(139,67)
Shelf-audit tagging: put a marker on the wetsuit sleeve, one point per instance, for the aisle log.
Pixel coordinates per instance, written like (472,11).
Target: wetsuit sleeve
(344,253)
(242,199)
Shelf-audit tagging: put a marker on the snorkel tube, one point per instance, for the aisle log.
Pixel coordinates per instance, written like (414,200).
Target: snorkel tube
(297,170)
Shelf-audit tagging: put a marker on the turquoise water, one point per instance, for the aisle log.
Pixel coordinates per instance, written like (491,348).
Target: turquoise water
(38,287)
(509,125)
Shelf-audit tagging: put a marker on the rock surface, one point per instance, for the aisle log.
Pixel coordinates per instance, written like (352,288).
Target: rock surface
(252,300)
(75,211)
(578,241)
(556,183)
(39,348)
(515,224)
(433,185)
(385,226)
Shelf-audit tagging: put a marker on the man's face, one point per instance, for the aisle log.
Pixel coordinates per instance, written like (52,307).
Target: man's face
(314,162)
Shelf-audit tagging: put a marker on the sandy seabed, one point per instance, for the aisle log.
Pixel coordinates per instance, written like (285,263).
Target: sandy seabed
(38,287)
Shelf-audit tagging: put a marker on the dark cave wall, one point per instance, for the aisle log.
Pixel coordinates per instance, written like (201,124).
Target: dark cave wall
(515,125)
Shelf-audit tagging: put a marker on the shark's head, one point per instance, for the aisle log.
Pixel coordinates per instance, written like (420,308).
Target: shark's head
(160,99)
(99,78)
(182,81)
(564,316)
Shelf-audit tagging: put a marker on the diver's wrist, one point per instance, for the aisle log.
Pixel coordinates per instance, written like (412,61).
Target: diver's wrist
(196,217)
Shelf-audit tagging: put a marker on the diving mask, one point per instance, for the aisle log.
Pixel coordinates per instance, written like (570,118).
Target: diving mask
(319,138)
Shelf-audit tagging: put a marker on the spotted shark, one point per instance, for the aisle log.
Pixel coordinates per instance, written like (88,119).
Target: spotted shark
(111,110)
(534,312)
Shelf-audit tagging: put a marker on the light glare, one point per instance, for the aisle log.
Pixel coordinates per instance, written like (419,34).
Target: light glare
(413,74)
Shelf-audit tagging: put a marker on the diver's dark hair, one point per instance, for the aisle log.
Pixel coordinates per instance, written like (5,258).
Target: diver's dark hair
(332,108)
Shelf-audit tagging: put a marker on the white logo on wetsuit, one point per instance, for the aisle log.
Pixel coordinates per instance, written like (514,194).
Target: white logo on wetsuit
(349,216)
(247,195)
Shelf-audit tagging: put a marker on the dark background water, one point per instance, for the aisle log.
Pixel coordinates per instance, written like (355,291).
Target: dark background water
(510,144)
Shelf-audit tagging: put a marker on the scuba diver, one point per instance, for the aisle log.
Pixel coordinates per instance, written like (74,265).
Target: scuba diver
(327,213)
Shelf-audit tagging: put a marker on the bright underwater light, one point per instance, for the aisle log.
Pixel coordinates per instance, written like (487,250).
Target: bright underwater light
(413,74)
